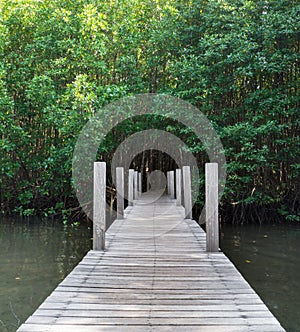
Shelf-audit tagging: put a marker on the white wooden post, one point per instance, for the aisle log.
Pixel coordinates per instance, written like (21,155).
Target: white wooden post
(187,191)
(211,204)
(178,187)
(172,184)
(120,192)
(135,186)
(130,187)
(99,206)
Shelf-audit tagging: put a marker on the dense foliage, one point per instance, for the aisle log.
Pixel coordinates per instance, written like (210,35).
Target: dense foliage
(236,60)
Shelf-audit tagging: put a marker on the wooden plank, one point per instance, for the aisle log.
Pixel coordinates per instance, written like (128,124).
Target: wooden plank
(147,328)
(88,320)
(81,328)
(155,275)
(159,308)
(145,313)
(93,298)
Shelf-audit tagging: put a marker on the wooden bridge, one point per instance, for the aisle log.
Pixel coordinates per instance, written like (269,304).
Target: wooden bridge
(155,273)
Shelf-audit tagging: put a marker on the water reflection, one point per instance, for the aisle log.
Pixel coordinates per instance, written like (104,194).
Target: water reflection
(34,257)
(269,258)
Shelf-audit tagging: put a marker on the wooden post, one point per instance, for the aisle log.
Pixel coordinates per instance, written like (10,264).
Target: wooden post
(211,204)
(148,181)
(140,183)
(130,187)
(178,187)
(168,184)
(120,192)
(187,191)
(172,185)
(135,186)
(99,206)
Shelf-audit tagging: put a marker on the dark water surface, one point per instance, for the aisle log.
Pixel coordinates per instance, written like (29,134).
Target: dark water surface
(35,256)
(268,257)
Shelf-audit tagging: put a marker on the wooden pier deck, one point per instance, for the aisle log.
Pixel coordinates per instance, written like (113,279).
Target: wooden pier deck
(155,275)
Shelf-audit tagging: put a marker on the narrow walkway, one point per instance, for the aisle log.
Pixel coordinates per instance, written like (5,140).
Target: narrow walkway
(154,276)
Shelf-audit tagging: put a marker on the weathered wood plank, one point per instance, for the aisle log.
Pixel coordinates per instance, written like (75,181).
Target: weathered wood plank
(94,298)
(147,328)
(159,308)
(155,275)
(155,314)
(86,320)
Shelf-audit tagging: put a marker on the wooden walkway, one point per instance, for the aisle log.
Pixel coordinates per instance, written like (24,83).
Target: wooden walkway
(154,275)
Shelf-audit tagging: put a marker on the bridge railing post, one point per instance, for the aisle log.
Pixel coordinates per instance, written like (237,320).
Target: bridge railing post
(187,191)
(178,187)
(135,185)
(211,204)
(130,187)
(148,181)
(140,184)
(168,184)
(99,206)
(120,192)
(172,183)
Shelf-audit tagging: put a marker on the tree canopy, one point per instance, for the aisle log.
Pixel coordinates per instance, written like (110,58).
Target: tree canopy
(237,61)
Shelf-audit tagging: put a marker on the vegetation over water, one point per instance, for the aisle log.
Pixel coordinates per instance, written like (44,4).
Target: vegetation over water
(237,61)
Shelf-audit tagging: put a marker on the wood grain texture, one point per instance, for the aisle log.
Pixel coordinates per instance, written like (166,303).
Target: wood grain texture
(155,275)
(178,187)
(130,186)
(211,205)
(120,192)
(187,194)
(99,206)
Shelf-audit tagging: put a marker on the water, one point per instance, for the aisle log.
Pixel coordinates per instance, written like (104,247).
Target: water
(269,258)
(34,257)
